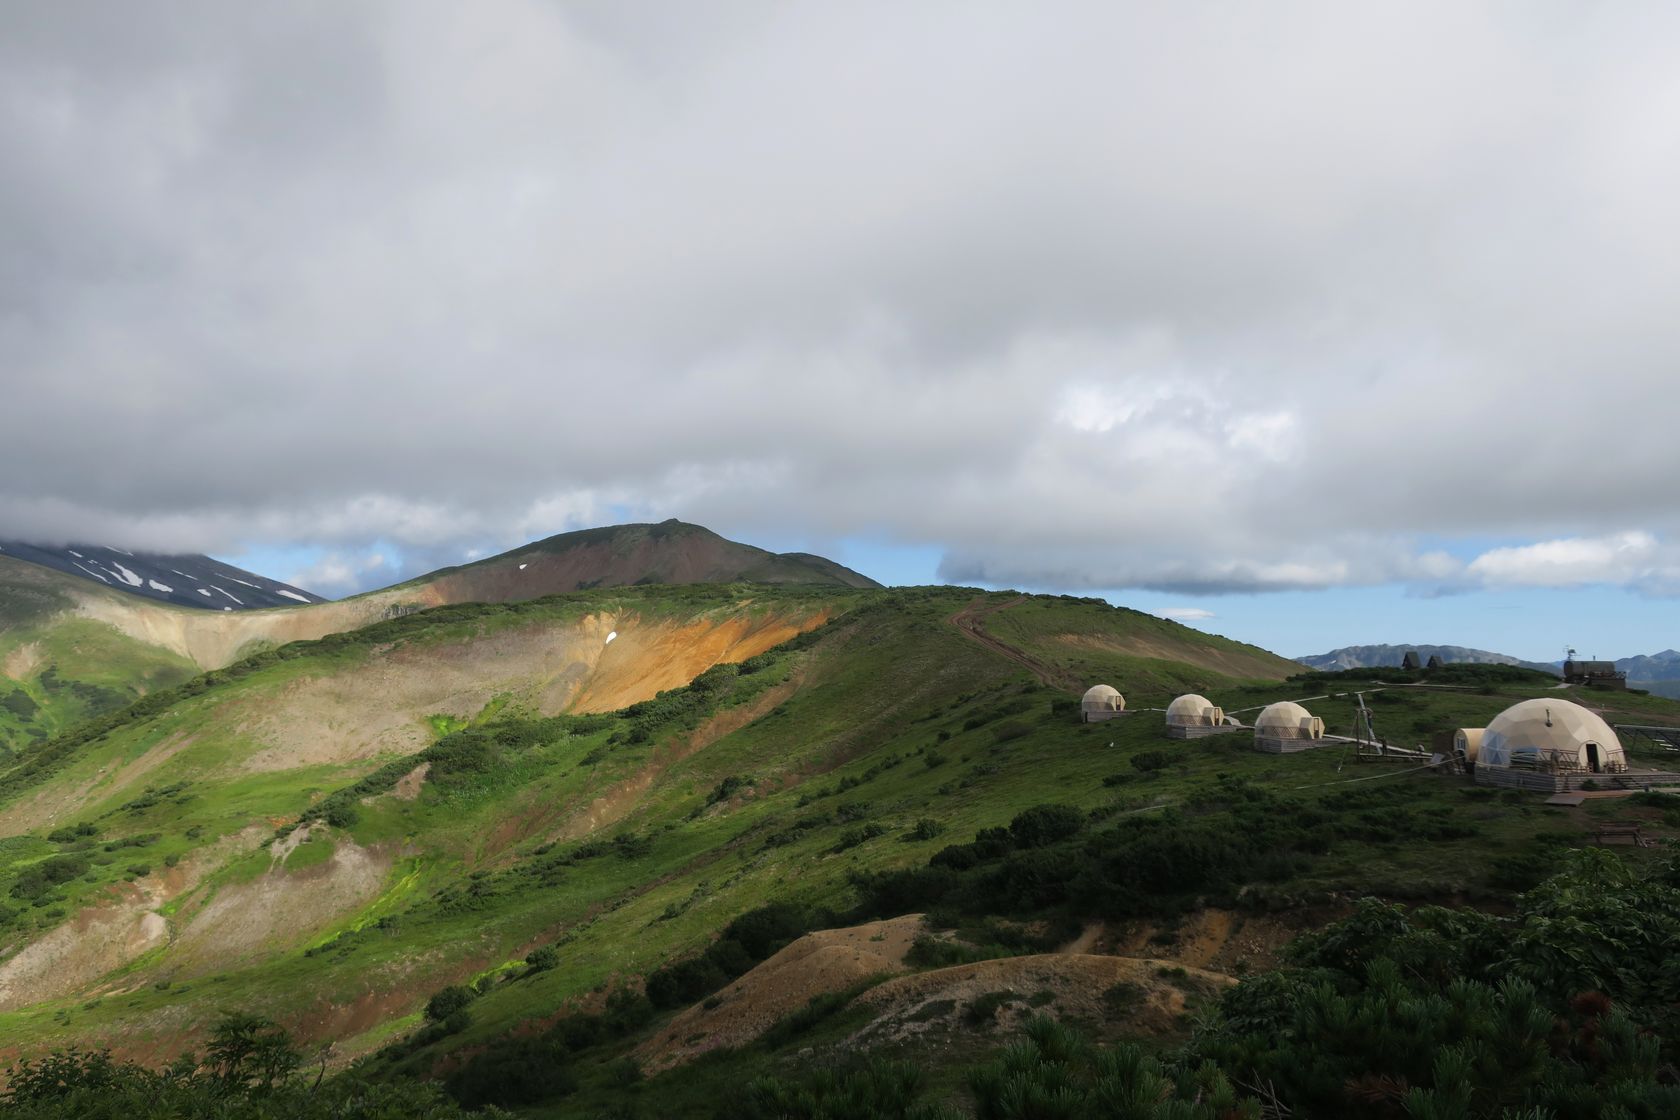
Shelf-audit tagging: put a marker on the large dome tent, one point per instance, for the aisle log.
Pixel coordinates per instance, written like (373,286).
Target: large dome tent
(1551,733)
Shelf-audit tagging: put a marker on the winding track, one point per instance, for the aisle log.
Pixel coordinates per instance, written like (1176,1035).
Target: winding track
(968,623)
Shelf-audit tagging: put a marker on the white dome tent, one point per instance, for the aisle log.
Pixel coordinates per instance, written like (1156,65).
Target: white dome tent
(1467,744)
(1286,727)
(1191,716)
(1101,702)
(1551,735)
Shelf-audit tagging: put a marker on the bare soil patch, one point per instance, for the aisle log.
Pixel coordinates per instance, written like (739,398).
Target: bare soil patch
(279,910)
(1130,995)
(826,961)
(21,662)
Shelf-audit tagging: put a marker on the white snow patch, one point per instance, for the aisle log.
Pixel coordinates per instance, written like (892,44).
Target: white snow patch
(522,567)
(94,574)
(156,586)
(229,594)
(127,576)
(204,591)
(76,554)
(230,608)
(291,595)
(610,637)
(124,551)
(252,586)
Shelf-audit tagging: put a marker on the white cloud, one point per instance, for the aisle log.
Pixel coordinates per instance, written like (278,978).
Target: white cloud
(1185,614)
(341,573)
(1633,559)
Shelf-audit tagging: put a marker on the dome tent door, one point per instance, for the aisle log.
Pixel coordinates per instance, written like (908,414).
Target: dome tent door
(1592,757)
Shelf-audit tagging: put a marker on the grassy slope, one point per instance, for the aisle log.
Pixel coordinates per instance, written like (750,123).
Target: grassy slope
(1093,641)
(919,721)
(57,669)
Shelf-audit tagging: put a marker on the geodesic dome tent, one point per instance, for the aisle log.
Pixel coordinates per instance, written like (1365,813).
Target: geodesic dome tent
(1191,710)
(1558,734)
(1101,702)
(1287,722)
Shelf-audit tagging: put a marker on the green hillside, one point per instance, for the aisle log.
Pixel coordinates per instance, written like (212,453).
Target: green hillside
(332,833)
(71,648)
(57,668)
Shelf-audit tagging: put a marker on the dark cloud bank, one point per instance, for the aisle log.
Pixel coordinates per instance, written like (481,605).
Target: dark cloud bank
(1186,296)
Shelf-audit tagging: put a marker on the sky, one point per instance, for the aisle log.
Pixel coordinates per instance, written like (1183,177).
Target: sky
(1310,324)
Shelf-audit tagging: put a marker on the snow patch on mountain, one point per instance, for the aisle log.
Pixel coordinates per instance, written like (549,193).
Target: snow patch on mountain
(162,577)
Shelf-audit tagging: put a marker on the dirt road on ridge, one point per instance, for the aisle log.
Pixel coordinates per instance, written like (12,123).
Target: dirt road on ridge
(968,622)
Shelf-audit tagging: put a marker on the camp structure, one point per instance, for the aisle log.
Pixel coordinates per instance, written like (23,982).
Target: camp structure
(1549,735)
(1286,727)
(1192,716)
(1467,744)
(1101,702)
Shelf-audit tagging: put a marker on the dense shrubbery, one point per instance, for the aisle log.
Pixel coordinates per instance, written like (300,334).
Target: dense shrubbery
(37,879)
(519,1071)
(1053,858)
(249,1072)
(1454,1013)
(1054,1073)
(1433,1014)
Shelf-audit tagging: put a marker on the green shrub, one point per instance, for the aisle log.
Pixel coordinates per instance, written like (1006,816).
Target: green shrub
(925,829)
(852,837)
(1045,824)
(726,789)
(984,1009)
(447,1001)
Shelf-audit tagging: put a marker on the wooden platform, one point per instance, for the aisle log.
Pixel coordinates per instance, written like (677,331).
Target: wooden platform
(1202,731)
(1571,781)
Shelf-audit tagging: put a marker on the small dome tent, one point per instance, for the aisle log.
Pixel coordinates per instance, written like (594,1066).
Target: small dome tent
(1286,727)
(1101,702)
(1191,710)
(1551,734)
(1192,716)
(1467,743)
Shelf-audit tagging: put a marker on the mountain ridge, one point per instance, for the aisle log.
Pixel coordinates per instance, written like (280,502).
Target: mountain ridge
(1390,655)
(1664,665)
(183,579)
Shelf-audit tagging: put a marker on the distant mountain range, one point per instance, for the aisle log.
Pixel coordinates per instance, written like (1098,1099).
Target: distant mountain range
(1656,672)
(187,580)
(615,556)
(1390,657)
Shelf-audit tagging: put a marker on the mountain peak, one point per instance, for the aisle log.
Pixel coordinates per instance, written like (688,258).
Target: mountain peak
(669,551)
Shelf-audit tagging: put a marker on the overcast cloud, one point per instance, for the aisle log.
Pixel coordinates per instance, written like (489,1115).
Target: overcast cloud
(1197,297)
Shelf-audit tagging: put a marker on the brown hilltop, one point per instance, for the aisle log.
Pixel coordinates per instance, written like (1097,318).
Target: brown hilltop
(621,555)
